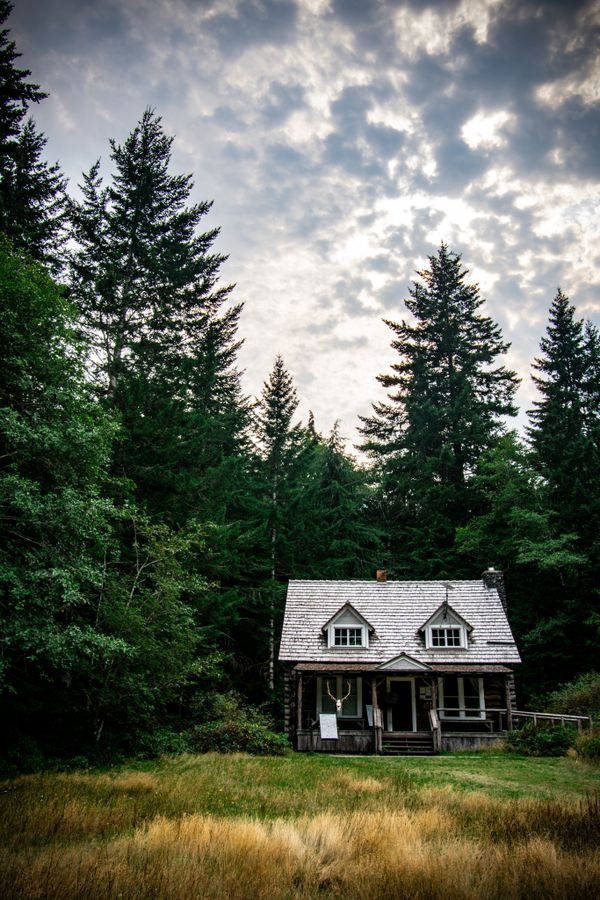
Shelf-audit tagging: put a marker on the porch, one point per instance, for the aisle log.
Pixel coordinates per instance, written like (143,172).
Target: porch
(399,713)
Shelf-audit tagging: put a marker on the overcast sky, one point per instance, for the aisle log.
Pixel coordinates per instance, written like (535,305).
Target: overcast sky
(341,141)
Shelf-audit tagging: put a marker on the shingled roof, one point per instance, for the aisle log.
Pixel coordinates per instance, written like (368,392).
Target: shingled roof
(396,610)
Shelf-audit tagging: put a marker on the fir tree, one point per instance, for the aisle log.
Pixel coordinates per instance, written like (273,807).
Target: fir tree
(562,421)
(446,399)
(563,436)
(280,447)
(145,281)
(17,92)
(335,538)
(32,192)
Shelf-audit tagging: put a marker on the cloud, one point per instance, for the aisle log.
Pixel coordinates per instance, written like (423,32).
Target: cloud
(341,141)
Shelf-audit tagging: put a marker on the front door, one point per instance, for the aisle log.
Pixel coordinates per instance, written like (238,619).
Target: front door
(401,707)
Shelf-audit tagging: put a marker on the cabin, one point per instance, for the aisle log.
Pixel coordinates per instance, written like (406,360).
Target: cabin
(397,667)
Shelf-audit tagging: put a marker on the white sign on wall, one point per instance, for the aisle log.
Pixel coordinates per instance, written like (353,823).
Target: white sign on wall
(328,726)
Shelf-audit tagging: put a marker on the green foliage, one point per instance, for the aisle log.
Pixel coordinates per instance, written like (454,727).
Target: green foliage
(588,746)
(542,739)
(54,451)
(580,697)
(237,728)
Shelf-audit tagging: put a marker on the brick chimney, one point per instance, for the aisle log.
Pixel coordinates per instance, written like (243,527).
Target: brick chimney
(381,575)
(494,578)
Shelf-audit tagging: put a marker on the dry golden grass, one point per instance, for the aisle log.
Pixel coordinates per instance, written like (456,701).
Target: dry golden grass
(350,830)
(416,854)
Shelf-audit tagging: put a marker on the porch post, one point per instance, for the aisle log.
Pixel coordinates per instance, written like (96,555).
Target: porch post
(507,692)
(376,717)
(299,702)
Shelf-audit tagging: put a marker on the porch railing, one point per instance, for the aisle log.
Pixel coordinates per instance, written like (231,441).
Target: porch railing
(558,718)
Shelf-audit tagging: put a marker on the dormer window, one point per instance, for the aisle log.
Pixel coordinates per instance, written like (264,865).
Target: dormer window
(446,637)
(446,630)
(347,637)
(347,629)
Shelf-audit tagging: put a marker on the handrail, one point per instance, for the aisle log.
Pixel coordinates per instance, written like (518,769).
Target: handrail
(580,721)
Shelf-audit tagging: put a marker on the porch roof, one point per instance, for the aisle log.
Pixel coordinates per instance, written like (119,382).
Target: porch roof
(456,669)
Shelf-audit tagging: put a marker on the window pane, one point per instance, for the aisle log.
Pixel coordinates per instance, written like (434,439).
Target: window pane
(339,688)
(451,695)
(471,689)
(445,637)
(327,704)
(347,637)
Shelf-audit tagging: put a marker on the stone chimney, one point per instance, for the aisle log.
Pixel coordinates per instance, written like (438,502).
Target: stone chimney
(493,578)
(381,575)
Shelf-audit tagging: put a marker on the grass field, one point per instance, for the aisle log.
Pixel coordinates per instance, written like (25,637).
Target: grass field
(487,826)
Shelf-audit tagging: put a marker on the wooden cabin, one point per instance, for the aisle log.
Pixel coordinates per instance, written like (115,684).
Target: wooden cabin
(388,666)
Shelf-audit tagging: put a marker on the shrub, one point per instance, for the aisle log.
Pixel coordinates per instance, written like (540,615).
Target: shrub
(236,727)
(580,697)
(542,739)
(161,740)
(588,745)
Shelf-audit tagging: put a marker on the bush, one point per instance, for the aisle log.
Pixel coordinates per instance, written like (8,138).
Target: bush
(236,727)
(542,739)
(588,745)
(162,740)
(580,697)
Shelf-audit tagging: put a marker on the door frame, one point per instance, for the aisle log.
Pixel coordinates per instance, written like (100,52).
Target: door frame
(413,699)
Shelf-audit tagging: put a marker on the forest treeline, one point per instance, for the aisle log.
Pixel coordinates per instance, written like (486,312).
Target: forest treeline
(151,514)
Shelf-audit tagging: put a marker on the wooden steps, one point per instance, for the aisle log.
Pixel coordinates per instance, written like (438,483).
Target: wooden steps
(407,743)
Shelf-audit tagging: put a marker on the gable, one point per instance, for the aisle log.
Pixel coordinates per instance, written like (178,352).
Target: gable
(405,663)
(446,615)
(347,615)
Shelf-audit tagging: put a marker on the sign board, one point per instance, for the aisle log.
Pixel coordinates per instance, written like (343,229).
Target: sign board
(378,716)
(369,709)
(328,726)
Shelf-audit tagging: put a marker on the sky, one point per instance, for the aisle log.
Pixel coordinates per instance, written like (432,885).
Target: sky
(341,141)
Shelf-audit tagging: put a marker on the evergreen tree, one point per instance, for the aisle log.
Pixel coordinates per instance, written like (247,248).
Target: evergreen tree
(32,192)
(447,397)
(513,527)
(32,199)
(165,342)
(17,92)
(564,421)
(335,538)
(280,444)
(564,440)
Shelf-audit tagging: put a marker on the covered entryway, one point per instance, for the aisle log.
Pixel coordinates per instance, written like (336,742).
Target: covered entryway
(401,707)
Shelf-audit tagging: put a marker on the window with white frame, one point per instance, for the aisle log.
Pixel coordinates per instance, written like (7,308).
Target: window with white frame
(445,631)
(461,697)
(348,690)
(347,630)
(446,636)
(346,636)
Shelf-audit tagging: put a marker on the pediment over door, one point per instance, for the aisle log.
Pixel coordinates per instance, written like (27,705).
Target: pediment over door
(405,663)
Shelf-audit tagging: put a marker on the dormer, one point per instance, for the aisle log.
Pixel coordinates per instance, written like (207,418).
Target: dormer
(347,629)
(446,630)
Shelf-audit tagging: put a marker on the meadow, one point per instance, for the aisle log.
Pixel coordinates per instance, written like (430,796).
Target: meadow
(235,826)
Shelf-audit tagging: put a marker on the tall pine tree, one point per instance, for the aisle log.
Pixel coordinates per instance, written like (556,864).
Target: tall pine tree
(564,439)
(145,281)
(446,399)
(280,445)
(32,192)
